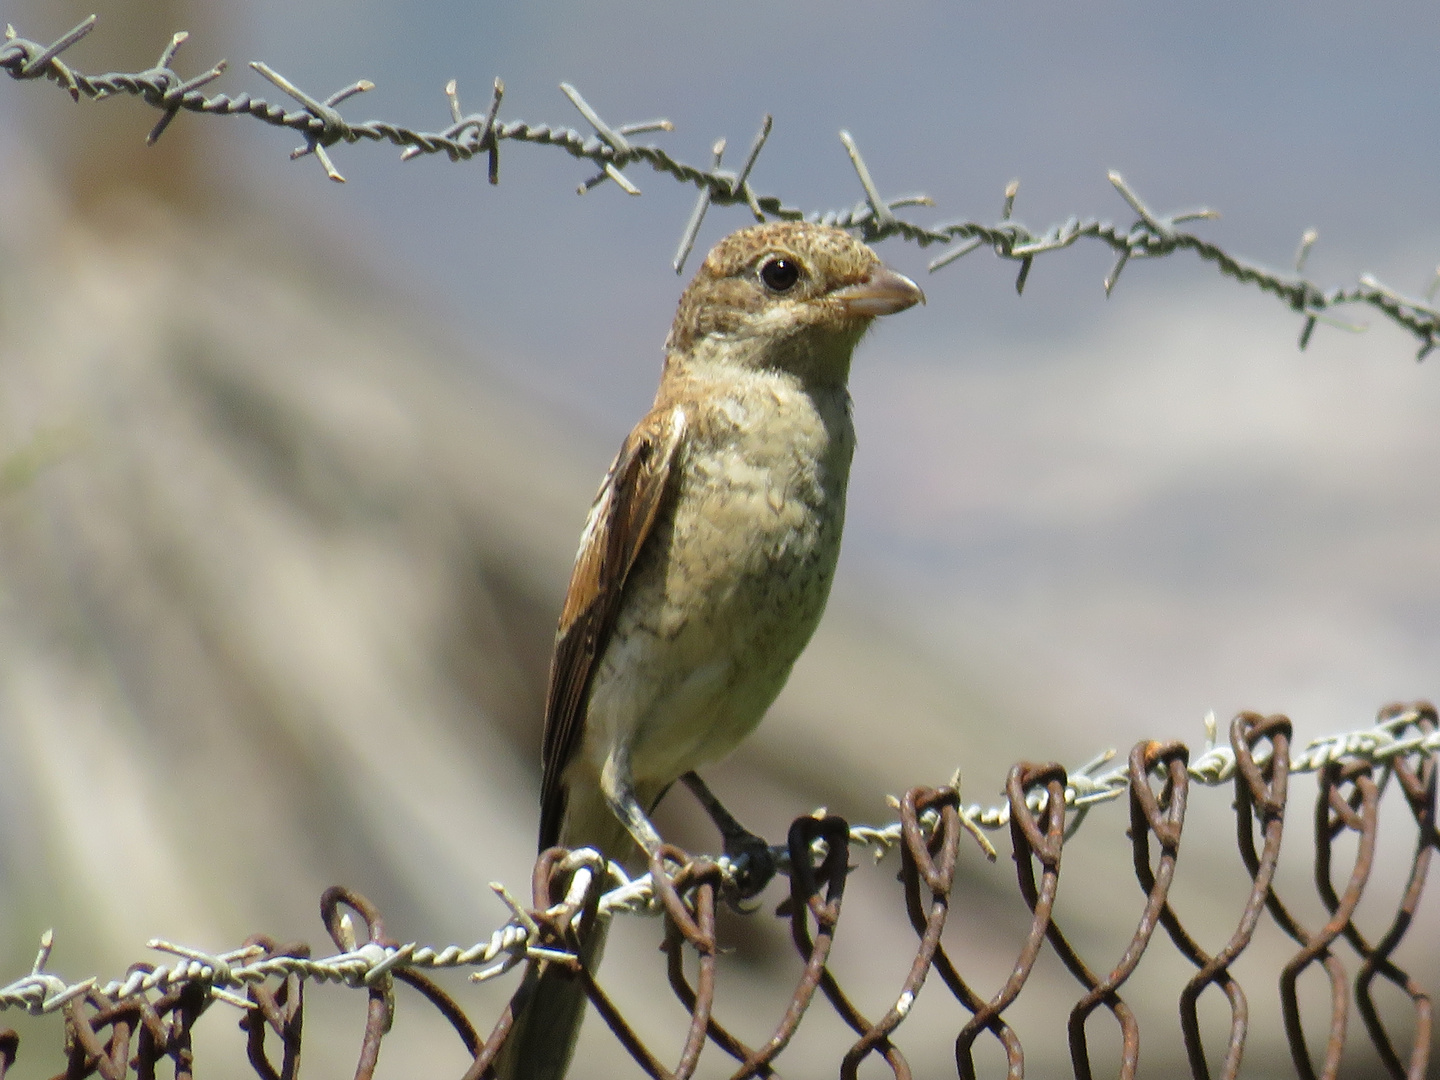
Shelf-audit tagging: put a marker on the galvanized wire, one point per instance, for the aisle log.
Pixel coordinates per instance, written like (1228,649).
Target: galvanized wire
(149,1013)
(613,147)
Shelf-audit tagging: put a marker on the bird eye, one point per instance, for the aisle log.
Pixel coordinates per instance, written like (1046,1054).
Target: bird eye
(780,274)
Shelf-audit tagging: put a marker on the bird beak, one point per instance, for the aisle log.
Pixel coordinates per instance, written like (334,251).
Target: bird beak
(884,292)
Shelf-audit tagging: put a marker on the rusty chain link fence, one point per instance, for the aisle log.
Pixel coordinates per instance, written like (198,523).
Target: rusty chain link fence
(131,1026)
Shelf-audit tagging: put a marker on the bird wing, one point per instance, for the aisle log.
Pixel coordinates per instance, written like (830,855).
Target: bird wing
(621,519)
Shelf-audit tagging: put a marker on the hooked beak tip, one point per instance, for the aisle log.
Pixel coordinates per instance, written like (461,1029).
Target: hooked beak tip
(884,292)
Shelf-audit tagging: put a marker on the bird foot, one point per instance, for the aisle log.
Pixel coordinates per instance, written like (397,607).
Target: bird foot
(753,864)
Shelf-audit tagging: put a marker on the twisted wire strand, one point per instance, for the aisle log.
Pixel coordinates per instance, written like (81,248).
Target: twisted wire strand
(520,938)
(611,148)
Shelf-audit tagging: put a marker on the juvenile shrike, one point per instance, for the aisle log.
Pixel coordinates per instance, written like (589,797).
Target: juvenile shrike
(706,560)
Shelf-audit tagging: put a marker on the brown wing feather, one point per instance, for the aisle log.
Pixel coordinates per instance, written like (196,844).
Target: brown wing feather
(620,521)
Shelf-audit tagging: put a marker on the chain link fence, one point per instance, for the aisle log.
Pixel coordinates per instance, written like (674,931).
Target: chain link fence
(131,1025)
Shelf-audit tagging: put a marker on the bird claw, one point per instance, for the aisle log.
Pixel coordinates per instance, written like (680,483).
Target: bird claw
(753,864)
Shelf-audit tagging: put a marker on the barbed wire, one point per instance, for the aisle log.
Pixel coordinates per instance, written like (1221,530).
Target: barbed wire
(612,148)
(570,889)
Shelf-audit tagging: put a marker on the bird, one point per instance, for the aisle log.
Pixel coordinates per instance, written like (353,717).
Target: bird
(705,562)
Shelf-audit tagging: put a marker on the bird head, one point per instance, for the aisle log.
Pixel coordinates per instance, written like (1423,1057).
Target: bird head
(790,295)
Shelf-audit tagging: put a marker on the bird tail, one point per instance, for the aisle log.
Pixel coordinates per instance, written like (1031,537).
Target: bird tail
(549,1006)
(548,1010)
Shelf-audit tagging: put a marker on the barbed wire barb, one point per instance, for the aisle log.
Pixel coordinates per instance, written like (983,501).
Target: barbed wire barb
(739,182)
(332,127)
(742,180)
(957,251)
(881,213)
(697,216)
(1012,189)
(46,61)
(616,141)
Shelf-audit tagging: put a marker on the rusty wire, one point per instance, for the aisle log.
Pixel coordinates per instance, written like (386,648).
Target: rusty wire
(130,1026)
(612,148)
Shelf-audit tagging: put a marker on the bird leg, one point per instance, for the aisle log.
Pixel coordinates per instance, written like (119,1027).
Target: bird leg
(619,791)
(755,864)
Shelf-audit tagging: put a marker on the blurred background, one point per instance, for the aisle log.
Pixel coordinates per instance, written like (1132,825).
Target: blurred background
(291,472)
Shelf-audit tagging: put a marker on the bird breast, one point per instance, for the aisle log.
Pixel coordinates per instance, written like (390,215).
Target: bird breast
(732,583)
